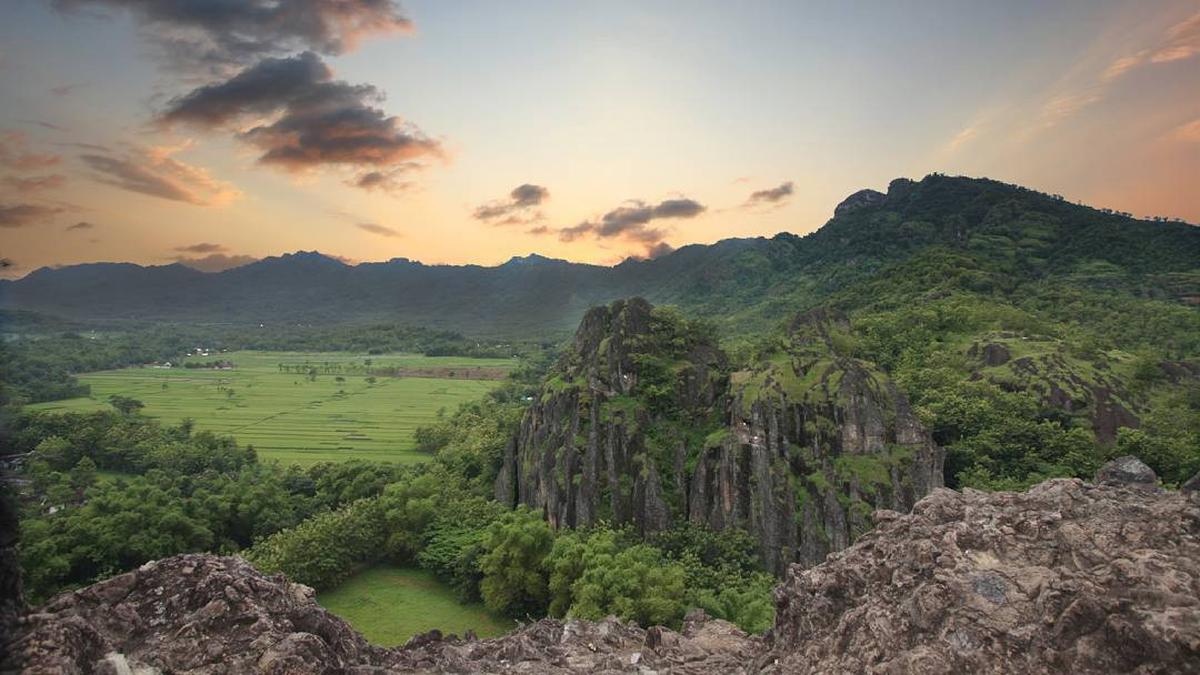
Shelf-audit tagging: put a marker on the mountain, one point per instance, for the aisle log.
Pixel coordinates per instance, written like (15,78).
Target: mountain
(971,235)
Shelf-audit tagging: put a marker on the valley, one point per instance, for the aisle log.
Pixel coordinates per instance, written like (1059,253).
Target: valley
(300,407)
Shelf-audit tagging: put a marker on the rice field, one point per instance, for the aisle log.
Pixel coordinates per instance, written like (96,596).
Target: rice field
(388,605)
(301,408)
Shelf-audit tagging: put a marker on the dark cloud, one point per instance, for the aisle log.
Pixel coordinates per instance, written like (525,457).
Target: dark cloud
(660,249)
(152,171)
(385,181)
(36,183)
(20,215)
(772,196)
(318,121)
(15,153)
(212,33)
(6,263)
(81,225)
(518,209)
(203,247)
(378,229)
(539,230)
(216,262)
(631,222)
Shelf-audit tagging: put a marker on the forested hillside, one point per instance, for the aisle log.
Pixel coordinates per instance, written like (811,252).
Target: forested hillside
(937,235)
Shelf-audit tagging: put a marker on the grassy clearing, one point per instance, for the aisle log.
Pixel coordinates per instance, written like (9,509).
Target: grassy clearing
(388,605)
(286,415)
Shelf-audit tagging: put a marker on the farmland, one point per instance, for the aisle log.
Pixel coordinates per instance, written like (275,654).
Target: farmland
(302,408)
(390,604)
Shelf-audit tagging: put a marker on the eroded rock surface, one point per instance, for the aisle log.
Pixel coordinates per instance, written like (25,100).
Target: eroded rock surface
(1065,578)
(1068,577)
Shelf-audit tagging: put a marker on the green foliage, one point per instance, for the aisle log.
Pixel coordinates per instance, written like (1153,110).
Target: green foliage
(324,550)
(513,564)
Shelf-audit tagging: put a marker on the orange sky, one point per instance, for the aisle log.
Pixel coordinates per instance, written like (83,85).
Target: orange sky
(642,128)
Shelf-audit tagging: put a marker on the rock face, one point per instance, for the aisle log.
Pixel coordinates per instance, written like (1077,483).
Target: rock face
(820,440)
(1065,578)
(858,200)
(607,438)
(642,423)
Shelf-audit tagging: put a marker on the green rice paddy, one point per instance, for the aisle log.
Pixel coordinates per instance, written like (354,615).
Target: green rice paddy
(388,605)
(271,400)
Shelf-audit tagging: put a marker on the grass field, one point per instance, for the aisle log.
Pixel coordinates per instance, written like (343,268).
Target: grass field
(388,605)
(269,401)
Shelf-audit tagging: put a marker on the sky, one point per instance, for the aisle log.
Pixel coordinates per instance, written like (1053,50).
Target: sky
(215,133)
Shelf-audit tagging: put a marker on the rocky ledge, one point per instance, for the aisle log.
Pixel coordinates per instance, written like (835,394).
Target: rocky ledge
(1067,577)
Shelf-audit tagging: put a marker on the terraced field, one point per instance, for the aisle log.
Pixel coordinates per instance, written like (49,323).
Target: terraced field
(302,408)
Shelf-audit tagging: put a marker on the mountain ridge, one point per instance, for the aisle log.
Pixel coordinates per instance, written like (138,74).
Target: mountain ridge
(1004,235)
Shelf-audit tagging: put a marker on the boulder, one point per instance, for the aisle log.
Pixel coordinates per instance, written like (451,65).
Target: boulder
(1127,470)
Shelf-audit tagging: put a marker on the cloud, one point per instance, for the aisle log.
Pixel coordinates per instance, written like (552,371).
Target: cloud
(301,118)
(216,262)
(1182,41)
(81,225)
(219,32)
(1188,133)
(539,230)
(380,230)
(45,125)
(631,222)
(775,195)
(36,183)
(15,153)
(203,247)
(385,181)
(21,215)
(518,209)
(153,171)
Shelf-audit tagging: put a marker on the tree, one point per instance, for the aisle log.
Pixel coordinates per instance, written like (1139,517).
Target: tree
(124,404)
(83,475)
(514,575)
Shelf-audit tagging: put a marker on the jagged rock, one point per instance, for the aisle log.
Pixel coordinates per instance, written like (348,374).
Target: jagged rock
(1192,484)
(995,354)
(820,440)
(858,200)
(805,446)
(1127,470)
(1065,578)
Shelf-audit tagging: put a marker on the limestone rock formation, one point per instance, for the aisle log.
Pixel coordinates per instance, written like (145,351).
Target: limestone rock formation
(820,440)
(858,200)
(642,423)
(1065,578)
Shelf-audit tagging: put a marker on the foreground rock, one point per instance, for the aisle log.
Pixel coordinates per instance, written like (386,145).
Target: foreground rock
(1068,577)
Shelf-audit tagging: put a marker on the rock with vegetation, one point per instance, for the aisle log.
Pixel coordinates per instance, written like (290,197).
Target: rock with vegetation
(643,423)
(1068,577)
(819,440)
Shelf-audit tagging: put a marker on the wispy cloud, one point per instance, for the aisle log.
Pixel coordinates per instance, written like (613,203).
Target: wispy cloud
(202,247)
(154,171)
(771,197)
(215,262)
(380,230)
(22,215)
(1188,133)
(35,183)
(15,153)
(80,226)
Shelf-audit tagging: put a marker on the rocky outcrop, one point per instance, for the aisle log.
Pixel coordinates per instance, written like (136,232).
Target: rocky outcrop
(819,441)
(607,437)
(1065,578)
(642,423)
(858,200)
